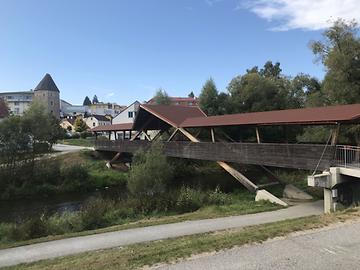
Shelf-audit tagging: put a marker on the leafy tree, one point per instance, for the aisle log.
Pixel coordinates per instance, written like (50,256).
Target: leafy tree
(161,97)
(340,54)
(150,173)
(4,110)
(271,70)
(95,99)
(208,98)
(80,125)
(87,101)
(191,94)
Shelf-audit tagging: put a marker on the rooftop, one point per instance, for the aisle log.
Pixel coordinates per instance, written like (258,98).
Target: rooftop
(47,83)
(306,116)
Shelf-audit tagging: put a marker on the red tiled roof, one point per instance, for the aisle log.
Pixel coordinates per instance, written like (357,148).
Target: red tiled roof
(115,127)
(173,114)
(307,116)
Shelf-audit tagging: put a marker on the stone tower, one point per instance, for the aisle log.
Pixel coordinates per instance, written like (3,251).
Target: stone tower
(47,93)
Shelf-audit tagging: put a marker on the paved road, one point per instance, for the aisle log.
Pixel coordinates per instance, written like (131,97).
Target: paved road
(74,245)
(69,148)
(329,249)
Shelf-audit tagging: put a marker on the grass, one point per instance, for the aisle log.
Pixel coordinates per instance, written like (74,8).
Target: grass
(88,142)
(147,254)
(243,203)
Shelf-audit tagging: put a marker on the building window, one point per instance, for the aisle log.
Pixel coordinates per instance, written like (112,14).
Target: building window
(130,114)
(16,103)
(51,103)
(93,124)
(44,95)
(9,97)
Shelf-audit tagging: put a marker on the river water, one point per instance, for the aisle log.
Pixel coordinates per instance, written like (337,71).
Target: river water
(21,209)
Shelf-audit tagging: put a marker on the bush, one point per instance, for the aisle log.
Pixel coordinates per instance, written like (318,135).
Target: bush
(75,177)
(107,178)
(93,213)
(64,223)
(218,197)
(75,135)
(150,173)
(189,200)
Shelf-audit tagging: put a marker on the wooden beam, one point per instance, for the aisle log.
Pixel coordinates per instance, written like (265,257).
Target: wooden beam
(173,134)
(239,176)
(212,135)
(146,136)
(140,130)
(335,134)
(258,135)
(236,174)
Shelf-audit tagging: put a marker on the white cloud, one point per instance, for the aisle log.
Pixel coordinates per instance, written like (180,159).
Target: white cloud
(303,14)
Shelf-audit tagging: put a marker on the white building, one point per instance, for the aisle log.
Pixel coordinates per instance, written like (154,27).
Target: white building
(127,115)
(18,102)
(97,120)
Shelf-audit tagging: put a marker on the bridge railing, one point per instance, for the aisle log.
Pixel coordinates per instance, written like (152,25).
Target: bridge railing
(299,156)
(347,156)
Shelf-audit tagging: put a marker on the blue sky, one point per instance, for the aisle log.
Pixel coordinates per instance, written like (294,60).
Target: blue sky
(124,50)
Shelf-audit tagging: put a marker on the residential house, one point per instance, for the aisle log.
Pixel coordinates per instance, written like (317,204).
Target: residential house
(97,120)
(127,115)
(68,123)
(101,108)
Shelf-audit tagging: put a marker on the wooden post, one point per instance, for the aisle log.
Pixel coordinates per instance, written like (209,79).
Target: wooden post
(109,135)
(258,135)
(335,134)
(115,135)
(212,135)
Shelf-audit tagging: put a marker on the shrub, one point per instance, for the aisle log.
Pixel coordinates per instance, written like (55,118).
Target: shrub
(93,213)
(107,178)
(189,200)
(75,177)
(75,135)
(5,232)
(150,173)
(218,197)
(64,223)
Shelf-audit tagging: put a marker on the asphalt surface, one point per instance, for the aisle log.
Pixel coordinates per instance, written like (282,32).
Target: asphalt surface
(329,249)
(75,245)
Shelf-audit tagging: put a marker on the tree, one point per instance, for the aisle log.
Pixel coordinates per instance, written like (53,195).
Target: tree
(208,98)
(87,101)
(95,99)
(80,125)
(191,95)
(340,54)
(161,97)
(4,110)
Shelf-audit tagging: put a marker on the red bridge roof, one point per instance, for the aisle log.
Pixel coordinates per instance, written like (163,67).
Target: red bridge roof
(307,116)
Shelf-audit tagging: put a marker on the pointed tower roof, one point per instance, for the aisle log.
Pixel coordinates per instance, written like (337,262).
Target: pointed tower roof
(47,83)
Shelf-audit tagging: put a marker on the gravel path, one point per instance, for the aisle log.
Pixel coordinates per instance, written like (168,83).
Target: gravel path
(328,249)
(80,244)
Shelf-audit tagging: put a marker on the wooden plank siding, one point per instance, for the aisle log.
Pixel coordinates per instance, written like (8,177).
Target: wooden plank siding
(299,156)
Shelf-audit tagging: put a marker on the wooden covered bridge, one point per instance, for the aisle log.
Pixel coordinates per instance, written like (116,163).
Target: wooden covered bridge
(180,129)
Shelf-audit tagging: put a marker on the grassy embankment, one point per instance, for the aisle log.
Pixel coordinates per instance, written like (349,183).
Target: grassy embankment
(140,255)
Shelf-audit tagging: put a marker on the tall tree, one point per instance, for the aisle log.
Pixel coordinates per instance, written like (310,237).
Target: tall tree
(339,51)
(208,98)
(161,97)
(4,110)
(87,101)
(191,94)
(95,99)
(80,125)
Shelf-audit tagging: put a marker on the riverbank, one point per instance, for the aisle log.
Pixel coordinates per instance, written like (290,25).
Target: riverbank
(138,255)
